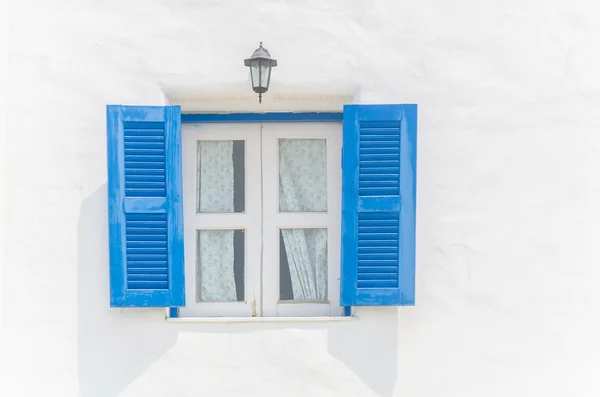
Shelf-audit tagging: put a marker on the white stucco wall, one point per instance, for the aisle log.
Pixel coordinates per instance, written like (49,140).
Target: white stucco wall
(508,219)
(3,96)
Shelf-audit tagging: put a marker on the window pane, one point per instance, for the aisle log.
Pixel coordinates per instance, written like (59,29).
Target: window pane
(302,175)
(303,264)
(220,266)
(220,170)
(254,71)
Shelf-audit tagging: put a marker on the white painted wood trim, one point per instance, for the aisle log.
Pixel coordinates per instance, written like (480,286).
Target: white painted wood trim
(244,100)
(250,220)
(262,221)
(273,220)
(180,320)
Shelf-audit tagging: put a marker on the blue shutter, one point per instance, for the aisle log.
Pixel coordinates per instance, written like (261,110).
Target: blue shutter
(378,205)
(145,206)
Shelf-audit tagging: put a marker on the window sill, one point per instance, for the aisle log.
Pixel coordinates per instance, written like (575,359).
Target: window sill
(257,319)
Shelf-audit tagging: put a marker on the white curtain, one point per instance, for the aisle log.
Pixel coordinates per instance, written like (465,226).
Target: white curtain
(303,187)
(215,272)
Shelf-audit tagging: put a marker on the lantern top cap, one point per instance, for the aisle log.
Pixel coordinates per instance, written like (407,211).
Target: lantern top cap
(261,53)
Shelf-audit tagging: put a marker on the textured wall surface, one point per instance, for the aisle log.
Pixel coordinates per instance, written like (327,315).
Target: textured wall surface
(508,220)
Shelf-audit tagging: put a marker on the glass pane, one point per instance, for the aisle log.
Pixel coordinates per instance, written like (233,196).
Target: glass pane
(303,264)
(220,171)
(254,71)
(264,74)
(220,266)
(302,175)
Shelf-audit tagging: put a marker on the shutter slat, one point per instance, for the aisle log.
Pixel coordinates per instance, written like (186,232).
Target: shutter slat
(376,257)
(377,276)
(380,156)
(378,191)
(144,132)
(144,238)
(142,124)
(380,183)
(146,178)
(379,140)
(148,184)
(373,142)
(147,257)
(132,159)
(145,192)
(146,250)
(378,249)
(147,222)
(378,267)
(370,235)
(144,145)
(144,138)
(149,276)
(385,123)
(377,243)
(391,128)
(140,173)
(148,284)
(146,264)
(146,217)
(139,165)
(376,178)
(147,230)
(376,222)
(144,152)
(377,284)
(147,270)
(376,150)
(380,170)
(379,164)
(144,244)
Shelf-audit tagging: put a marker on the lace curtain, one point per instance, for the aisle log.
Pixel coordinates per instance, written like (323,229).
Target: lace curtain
(215,271)
(303,187)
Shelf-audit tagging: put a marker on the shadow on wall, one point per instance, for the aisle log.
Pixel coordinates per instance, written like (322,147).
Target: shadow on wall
(369,348)
(114,345)
(118,347)
(357,358)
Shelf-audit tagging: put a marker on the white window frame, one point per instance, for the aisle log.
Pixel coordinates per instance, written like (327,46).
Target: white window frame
(274,220)
(262,219)
(249,220)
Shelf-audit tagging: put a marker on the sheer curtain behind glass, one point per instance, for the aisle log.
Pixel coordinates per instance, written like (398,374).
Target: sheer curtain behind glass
(302,188)
(215,268)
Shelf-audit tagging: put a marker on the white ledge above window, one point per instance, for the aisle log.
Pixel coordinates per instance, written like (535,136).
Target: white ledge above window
(201,101)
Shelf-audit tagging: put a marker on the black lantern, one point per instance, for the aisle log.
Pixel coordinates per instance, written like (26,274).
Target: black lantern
(260,64)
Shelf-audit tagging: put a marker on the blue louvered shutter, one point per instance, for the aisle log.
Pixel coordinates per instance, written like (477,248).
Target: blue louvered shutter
(378,205)
(145,206)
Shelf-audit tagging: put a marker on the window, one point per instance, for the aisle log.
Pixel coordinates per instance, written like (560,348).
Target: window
(262,215)
(253,216)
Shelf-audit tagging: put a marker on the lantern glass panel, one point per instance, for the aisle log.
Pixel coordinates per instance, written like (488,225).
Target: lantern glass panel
(254,72)
(265,72)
